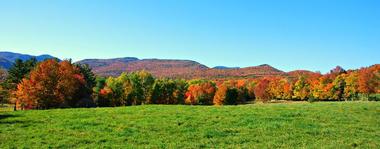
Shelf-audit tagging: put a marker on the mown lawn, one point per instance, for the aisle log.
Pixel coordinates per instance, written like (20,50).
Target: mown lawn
(296,125)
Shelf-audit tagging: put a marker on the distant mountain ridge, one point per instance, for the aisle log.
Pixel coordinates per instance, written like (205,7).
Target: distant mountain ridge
(225,67)
(158,67)
(186,69)
(107,62)
(8,58)
(167,68)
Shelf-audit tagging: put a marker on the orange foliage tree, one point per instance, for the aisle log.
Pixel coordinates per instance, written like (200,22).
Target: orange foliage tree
(51,84)
(321,88)
(280,88)
(200,92)
(226,94)
(369,80)
(262,90)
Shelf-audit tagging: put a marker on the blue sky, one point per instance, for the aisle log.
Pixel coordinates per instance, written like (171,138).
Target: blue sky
(287,34)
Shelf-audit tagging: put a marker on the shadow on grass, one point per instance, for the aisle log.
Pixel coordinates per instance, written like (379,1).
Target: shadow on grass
(4,117)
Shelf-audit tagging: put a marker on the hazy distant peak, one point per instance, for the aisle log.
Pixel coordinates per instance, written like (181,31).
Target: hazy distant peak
(8,58)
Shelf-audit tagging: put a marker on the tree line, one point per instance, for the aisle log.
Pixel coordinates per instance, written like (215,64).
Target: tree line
(62,84)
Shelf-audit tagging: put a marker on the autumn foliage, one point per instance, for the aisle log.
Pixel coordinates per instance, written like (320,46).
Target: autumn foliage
(53,84)
(226,94)
(200,92)
(262,90)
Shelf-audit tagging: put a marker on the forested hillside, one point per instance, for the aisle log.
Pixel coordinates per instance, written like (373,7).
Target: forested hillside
(174,69)
(184,69)
(57,84)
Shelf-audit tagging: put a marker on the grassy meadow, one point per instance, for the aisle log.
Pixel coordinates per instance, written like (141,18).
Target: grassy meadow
(291,125)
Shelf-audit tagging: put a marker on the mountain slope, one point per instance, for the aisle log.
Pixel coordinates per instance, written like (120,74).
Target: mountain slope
(4,63)
(224,67)
(186,69)
(158,67)
(7,58)
(10,56)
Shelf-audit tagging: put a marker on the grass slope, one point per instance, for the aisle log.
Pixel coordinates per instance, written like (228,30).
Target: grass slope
(316,125)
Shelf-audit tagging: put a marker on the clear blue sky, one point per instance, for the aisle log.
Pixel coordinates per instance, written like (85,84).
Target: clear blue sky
(287,34)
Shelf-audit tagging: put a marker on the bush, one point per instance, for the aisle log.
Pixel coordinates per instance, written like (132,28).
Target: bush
(312,99)
(369,97)
(374,97)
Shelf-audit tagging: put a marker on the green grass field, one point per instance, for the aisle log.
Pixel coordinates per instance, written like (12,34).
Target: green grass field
(295,125)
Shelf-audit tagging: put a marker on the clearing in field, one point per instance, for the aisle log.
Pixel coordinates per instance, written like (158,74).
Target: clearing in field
(308,125)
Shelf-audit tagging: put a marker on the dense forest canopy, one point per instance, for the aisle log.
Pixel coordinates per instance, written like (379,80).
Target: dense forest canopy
(30,84)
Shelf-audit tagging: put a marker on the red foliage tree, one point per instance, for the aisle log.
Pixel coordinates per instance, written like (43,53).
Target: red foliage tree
(262,90)
(51,84)
(369,80)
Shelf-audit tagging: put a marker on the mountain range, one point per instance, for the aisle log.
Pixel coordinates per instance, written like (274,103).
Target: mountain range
(168,68)
(186,69)
(8,58)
